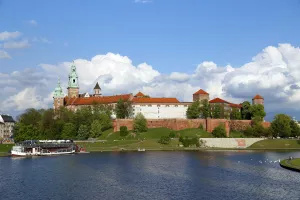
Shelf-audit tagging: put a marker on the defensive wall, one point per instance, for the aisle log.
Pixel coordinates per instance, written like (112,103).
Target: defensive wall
(229,142)
(178,124)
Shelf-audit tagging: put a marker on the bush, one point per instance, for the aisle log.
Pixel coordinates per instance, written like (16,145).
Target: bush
(140,123)
(172,134)
(123,131)
(219,132)
(164,140)
(187,142)
(201,127)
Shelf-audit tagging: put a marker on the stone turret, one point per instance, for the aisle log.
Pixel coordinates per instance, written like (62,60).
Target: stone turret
(258,100)
(97,90)
(73,86)
(58,96)
(200,95)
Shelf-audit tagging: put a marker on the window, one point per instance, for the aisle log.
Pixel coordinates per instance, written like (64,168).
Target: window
(176,105)
(158,105)
(149,105)
(185,105)
(167,105)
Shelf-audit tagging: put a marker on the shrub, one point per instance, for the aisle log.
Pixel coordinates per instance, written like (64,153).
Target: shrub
(123,131)
(164,140)
(187,142)
(172,134)
(201,127)
(219,132)
(140,123)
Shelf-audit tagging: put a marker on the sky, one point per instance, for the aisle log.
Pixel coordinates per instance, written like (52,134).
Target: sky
(165,48)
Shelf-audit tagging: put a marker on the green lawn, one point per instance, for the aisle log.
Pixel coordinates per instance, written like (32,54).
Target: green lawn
(236,134)
(192,132)
(105,134)
(294,163)
(4,148)
(276,144)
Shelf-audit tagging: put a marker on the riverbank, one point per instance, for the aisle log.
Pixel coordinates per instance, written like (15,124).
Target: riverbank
(293,164)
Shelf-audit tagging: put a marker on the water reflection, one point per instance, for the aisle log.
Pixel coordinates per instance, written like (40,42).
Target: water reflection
(150,175)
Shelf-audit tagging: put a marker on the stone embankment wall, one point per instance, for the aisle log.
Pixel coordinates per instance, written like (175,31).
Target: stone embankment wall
(229,142)
(179,124)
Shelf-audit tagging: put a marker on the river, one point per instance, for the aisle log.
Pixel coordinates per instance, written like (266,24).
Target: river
(150,175)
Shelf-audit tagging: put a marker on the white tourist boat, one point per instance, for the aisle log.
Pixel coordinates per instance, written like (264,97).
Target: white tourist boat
(43,148)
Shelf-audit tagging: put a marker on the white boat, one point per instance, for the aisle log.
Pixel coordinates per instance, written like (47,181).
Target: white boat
(141,149)
(43,148)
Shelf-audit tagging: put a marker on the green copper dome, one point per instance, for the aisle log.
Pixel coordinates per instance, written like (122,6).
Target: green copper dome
(58,92)
(73,78)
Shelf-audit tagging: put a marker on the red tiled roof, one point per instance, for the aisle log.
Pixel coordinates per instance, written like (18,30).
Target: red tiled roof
(218,100)
(235,105)
(155,100)
(139,94)
(91,100)
(258,97)
(200,92)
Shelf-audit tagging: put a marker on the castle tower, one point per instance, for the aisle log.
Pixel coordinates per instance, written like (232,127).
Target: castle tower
(97,90)
(58,97)
(73,86)
(200,95)
(258,100)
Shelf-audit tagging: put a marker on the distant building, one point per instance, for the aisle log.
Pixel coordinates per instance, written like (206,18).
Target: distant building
(7,124)
(150,107)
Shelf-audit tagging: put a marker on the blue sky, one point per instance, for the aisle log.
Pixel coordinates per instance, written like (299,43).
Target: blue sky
(169,35)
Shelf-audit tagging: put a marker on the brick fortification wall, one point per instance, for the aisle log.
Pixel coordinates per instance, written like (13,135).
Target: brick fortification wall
(179,124)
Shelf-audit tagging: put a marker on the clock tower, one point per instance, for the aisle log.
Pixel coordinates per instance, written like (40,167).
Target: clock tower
(73,86)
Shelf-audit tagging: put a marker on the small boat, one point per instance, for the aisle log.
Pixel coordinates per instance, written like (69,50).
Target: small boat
(43,148)
(141,149)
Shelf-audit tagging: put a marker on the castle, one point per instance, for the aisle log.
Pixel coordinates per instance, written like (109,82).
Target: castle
(150,107)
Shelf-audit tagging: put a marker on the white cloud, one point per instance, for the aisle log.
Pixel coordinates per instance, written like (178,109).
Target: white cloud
(274,73)
(42,40)
(143,1)
(9,35)
(32,22)
(16,45)
(4,55)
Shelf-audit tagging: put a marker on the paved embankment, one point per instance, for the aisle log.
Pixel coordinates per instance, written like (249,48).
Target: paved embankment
(230,142)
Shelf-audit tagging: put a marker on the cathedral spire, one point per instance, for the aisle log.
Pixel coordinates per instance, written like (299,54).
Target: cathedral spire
(58,92)
(73,86)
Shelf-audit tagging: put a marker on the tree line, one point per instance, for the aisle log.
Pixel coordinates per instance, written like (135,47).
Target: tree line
(203,109)
(86,122)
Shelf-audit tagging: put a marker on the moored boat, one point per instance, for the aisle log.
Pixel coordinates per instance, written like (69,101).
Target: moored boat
(43,148)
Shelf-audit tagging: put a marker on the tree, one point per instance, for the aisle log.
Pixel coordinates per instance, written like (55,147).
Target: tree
(105,121)
(25,132)
(257,111)
(140,123)
(123,109)
(164,140)
(96,129)
(31,117)
(123,131)
(205,110)
(83,132)
(295,129)
(216,113)
(235,114)
(281,126)
(245,110)
(69,131)
(193,111)
(219,131)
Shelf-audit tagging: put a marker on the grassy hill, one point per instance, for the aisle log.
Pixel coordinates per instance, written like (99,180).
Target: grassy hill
(276,144)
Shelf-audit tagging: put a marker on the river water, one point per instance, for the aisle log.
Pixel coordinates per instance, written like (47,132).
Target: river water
(150,175)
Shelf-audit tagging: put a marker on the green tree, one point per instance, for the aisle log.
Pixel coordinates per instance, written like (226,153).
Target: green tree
(83,132)
(235,114)
(31,117)
(193,111)
(281,126)
(69,131)
(295,129)
(246,110)
(216,113)
(105,121)
(25,132)
(123,109)
(219,132)
(96,129)
(140,123)
(257,111)
(205,110)
(123,131)
(164,140)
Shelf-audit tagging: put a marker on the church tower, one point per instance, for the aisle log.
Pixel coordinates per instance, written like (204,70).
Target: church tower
(58,97)
(97,90)
(73,86)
